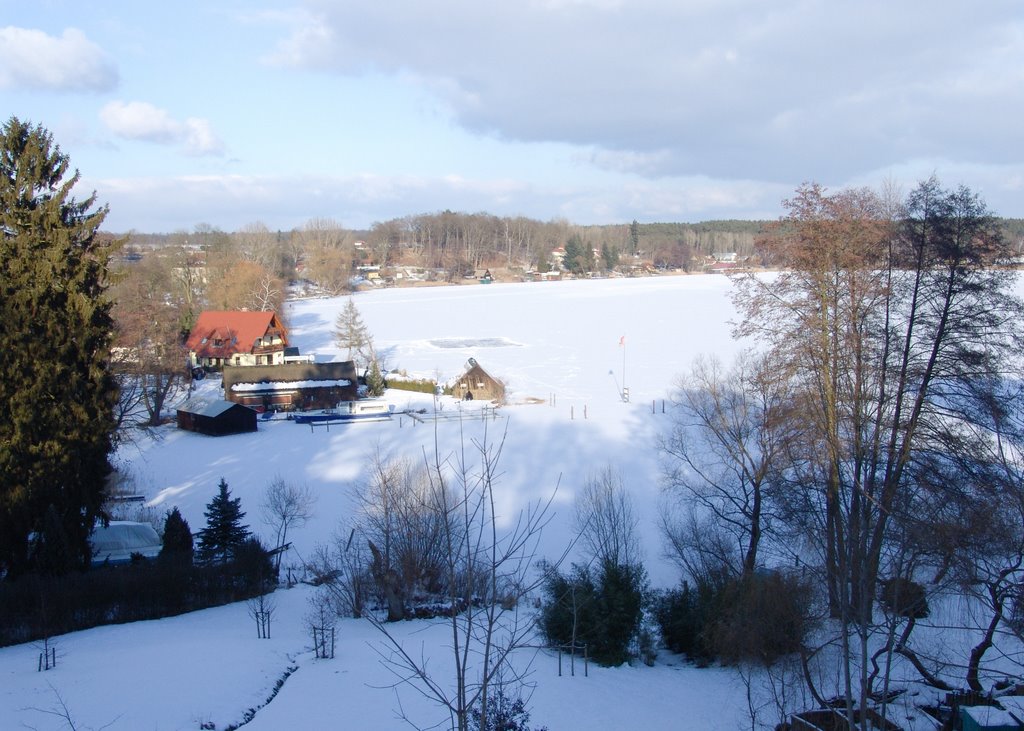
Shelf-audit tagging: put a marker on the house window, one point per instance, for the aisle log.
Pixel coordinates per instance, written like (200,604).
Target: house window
(238,360)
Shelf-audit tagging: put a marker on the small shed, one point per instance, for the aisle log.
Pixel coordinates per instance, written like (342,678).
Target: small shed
(476,383)
(216,417)
(988,718)
(121,539)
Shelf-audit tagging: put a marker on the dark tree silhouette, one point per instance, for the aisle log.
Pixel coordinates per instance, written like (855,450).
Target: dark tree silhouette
(224,531)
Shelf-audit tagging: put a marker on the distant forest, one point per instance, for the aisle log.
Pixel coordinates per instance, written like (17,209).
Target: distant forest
(463,242)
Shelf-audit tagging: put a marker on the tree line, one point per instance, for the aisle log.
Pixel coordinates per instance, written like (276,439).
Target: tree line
(870,442)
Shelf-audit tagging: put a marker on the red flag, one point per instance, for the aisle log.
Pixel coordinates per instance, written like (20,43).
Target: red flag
(622,342)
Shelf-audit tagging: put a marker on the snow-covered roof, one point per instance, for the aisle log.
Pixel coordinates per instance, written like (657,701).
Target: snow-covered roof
(118,541)
(288,385)
(990,716)
(206,406)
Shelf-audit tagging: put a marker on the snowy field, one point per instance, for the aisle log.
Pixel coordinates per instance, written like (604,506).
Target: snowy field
(557,346)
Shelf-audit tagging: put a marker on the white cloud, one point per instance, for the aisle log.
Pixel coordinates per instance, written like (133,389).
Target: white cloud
(284,202)
(736,88)
(31,59)
(146,122)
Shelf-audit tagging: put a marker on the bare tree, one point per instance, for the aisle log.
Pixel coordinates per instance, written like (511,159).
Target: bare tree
(62,711)
(261,608)
(401,522)
(486,572)
(246,285)
(730,433)
(148,354)
(696,542)
(328,253)
(321,619)
(892,325)
(605,520)
(286,506)
(268,249)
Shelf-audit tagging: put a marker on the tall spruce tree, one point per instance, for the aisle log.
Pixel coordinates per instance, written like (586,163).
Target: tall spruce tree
(224,531)
(56,391)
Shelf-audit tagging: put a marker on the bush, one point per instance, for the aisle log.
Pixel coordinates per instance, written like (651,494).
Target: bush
(685,616)
(605,613)
(679,619)
(760,617)
(503,714)
(904,597)
(764,617)
(410,384)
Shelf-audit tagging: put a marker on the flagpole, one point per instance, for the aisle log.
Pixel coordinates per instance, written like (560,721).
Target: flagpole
(625,388)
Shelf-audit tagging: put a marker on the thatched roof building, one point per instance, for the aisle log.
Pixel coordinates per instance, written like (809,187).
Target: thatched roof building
(475,383)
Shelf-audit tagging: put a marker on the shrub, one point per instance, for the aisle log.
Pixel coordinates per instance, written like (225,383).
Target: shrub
(503,714)
(904,597)
(685,616)
(606,614)
(764,617)
(760,617)
(410,384)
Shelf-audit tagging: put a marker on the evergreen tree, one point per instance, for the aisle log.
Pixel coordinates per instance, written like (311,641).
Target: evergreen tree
(177,544)
(375,384)
(224,531)
(579,256)
(352,336)
(56,390)
(609,256)
(603,612)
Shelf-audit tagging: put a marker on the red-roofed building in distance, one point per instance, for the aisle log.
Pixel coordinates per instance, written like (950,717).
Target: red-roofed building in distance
(222,338)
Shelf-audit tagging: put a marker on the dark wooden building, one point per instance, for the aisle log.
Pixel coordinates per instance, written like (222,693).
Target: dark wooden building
(216,417)
(292,386)
(476,383)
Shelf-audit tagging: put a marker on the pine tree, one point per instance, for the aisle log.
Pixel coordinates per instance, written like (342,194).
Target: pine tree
(224,531)
(353,336)
(177,544)
(375,384)
(56,390)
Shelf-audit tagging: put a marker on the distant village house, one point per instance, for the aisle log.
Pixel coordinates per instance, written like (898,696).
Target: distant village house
(221,338)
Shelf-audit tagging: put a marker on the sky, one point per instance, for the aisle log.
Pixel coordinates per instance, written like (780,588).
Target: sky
(594,111)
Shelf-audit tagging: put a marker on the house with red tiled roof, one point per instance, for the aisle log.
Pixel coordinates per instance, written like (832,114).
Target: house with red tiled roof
(222,338)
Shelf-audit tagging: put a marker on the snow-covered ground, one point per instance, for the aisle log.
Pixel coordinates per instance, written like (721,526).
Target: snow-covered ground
(557,346)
